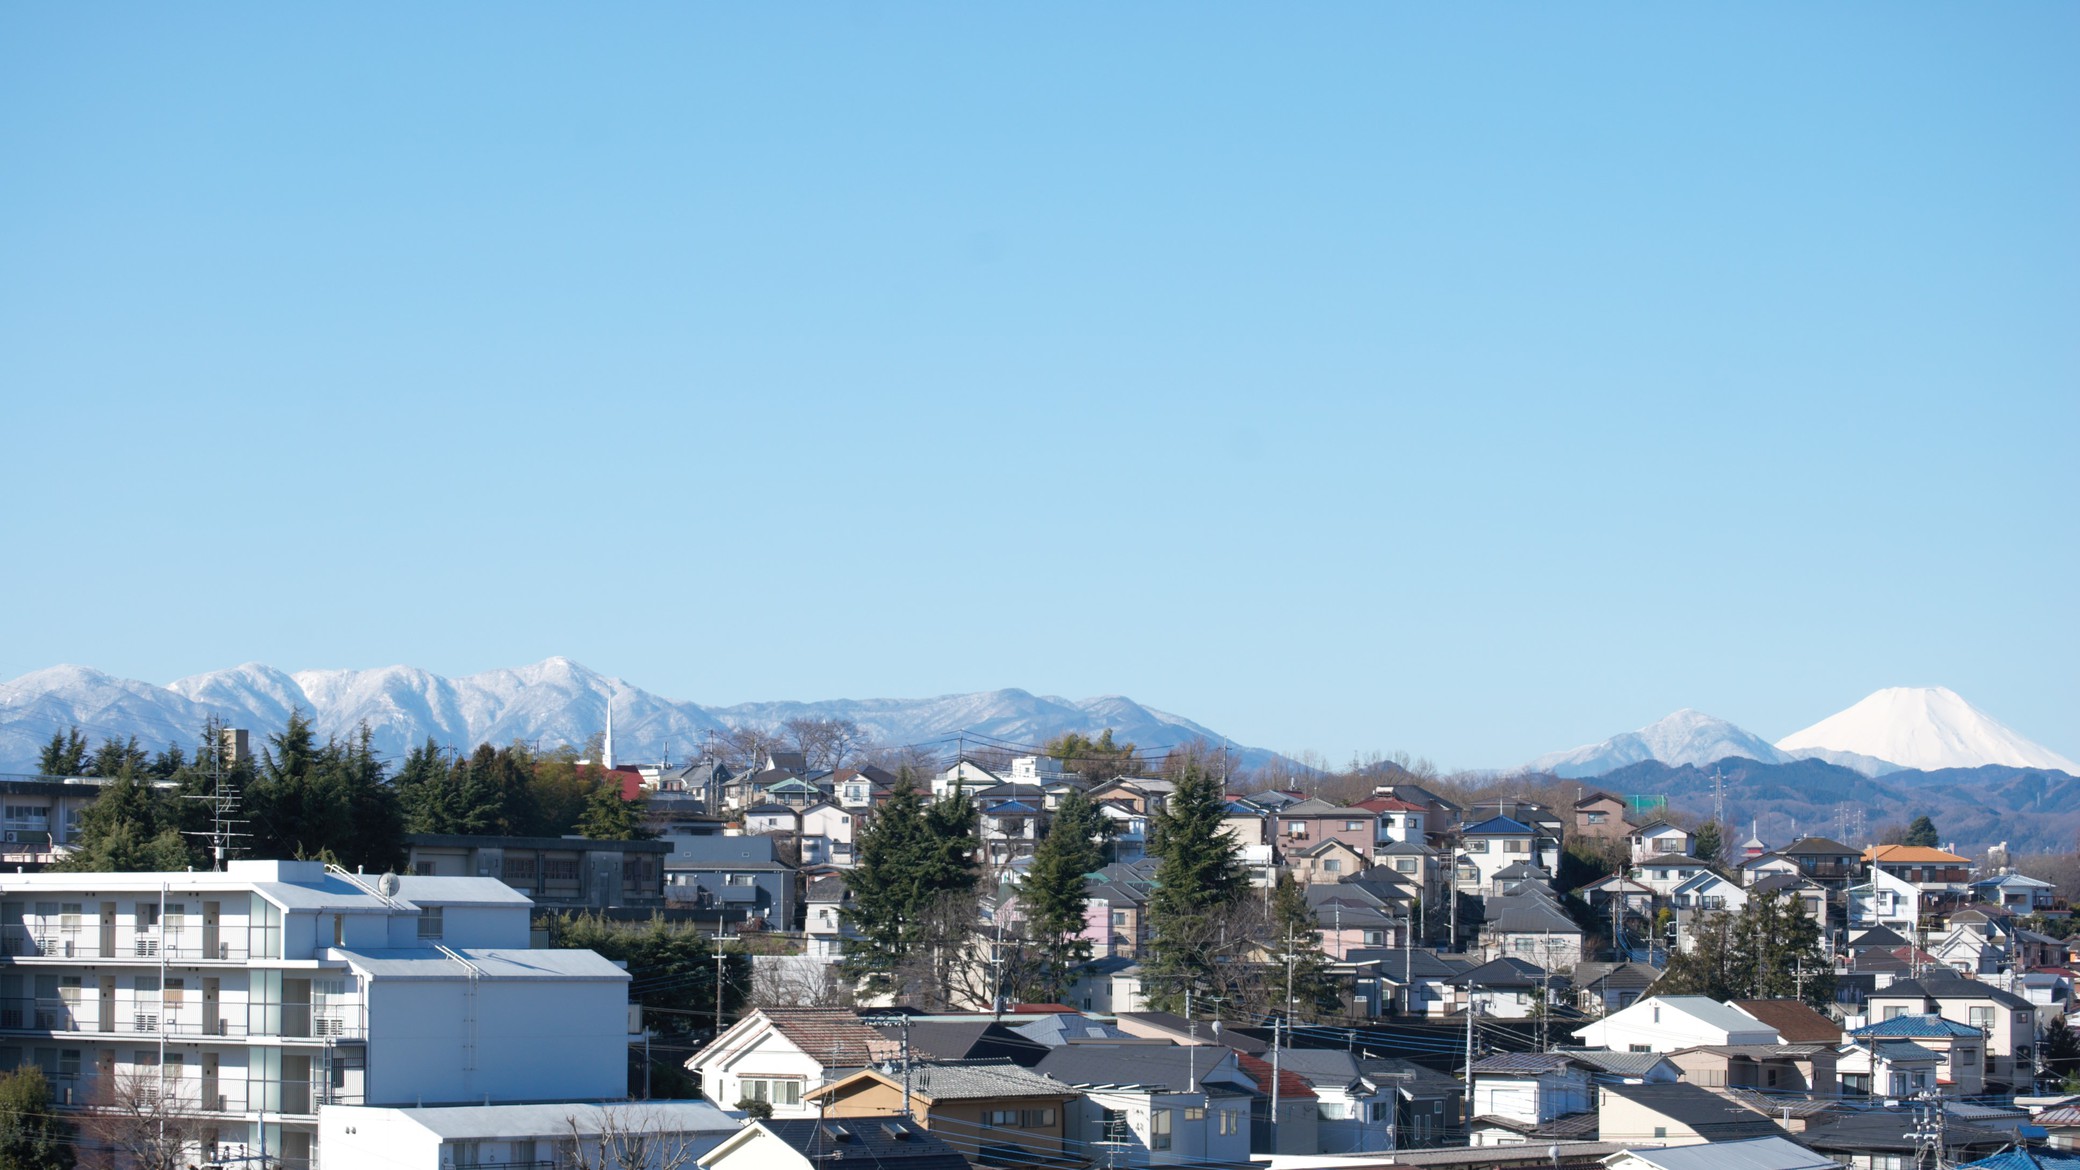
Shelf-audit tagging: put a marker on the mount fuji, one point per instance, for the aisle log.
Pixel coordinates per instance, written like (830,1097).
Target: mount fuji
(1924,728)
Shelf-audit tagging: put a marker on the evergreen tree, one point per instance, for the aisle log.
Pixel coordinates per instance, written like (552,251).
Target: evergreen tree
(1198,879)
(608,817)
(1769,950)
(1922,831)
(1296,940)
(2061,1050)
(1052,893)
(914,864)
(1095,759)
(327,802)
(31,1136)
(115,757)
(1709,846)
(64,755)
(130,828)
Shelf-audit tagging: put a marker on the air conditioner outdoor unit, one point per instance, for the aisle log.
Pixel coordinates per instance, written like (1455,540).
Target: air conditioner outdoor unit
(13,836)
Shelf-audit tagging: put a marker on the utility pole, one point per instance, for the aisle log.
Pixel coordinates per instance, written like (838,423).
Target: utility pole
(720,955)
(1469,1038)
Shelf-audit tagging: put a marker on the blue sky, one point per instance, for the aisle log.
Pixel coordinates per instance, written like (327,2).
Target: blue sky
(1469,381)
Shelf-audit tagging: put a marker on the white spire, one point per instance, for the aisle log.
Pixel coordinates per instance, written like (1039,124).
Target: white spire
(608,750)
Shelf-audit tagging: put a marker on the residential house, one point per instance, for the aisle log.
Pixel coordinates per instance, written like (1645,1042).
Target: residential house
(1659,840)
(1666,873)
(1438,812)
(1246,824)
(276,988)
(1680,1114)
(1422,983)
(1602,988)
(994,1112)
(778,1055)
(1932,871)
(1615,897)
(1886,900)
(1296,1126)
(1511,989)
(1811,896)
(1041,770)
(1960,1049)
(1310,822)
(1887,1068)
(825,926)
(1145,1105)
(795,792)
(965,774)
(1348,917)
(554,873)
(2016,892)
(1530,925)
(1700,897)
(514,1136)
(964,1036)
(1601,816)
(811,1144)
(1830,863)
(1631,1068)
(1766,864)
(1669,1023)
(1010,830)
(1374,1104)
(736,880)
(1115,907)
(2008,1021)
(1413,862)
(1400,821)
(1498,842)
(1519,877)
(772,819)
(1517,1094)
(1129,839)
(828,831)
(1146,795)
(1771,1068)
(1329,860)
(1171,1028)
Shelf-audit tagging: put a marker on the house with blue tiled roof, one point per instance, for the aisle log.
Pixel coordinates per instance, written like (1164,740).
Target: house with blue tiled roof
(1960,1049)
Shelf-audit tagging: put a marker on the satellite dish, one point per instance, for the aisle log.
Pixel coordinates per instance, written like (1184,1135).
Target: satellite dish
(387,884)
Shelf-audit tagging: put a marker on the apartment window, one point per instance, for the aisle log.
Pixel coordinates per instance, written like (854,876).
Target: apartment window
(68,1062)
(518,868)
(1230,1123)
(1119,918)
(560,869)
(430,924)
(740,879)
(1159,1129)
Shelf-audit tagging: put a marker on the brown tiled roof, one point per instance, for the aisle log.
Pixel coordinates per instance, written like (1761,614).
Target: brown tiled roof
(1793,1020)
(1290,1086)
(833,1036)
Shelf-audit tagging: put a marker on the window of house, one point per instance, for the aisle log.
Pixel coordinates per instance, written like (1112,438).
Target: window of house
(774,1090)
(1597,818)
(1194,1113)
(1112,1125)
(1375,938)
(1979,1017)
(1478,845)
(1893,1013)
(1332,865)
(1516,845)
(1119,918)
(1231,1122)
(1404,865)
(1668,845)
(1353,826)
(1660,1131)
(1159,1129)
(430,921)
(1640,1048)
(740,879)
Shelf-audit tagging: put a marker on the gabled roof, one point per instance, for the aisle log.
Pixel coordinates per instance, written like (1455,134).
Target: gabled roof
(1758,1153)
(1593,976)
(1622,1064)
(1711,1115)
(1497,826)
(1158,1067)
(1525,1064)
(1917,1027)
(1291,1086)
(961,1080)
(1955,987)
(888,1142)
(1390,804)
(1796,1022)
(1878,936)
(1811,845)
(1508,971)
(833,1036)
(1526,914)
(1912,855)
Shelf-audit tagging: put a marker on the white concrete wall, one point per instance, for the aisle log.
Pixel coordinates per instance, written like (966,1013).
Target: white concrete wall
(535,1040)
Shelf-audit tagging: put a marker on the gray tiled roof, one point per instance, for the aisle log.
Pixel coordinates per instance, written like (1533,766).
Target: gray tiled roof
(970,1080)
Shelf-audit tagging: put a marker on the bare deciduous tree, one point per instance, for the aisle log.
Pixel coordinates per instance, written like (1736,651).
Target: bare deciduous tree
(824,743)
(136,1121)
(796,981)
(629,1138)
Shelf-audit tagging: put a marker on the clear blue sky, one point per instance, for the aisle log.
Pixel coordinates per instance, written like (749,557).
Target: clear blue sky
(1466,380)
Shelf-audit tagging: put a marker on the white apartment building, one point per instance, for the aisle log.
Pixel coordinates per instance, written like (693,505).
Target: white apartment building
(254,997)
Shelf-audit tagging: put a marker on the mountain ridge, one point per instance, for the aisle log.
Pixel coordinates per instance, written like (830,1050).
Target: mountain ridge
(554,701)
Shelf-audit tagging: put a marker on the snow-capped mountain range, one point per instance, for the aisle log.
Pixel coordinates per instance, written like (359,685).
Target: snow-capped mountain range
(1896,729)
(553,702)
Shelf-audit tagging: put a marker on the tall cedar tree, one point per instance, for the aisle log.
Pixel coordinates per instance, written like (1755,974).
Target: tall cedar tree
(1709,846)
(1763,952)
(131,827)
(909,858)
(606,815)
(64,755)
(325,802)
(31,1136)
(1921,832)
(1198,881)
(1052,892)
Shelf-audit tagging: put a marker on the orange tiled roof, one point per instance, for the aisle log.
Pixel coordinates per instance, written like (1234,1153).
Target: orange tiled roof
(1913,854)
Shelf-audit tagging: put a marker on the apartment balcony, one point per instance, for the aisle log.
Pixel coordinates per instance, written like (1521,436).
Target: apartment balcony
(189,946)
(90,1016)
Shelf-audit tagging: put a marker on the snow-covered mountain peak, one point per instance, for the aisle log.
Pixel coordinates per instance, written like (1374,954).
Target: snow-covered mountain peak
(1925,728)
(1688,736)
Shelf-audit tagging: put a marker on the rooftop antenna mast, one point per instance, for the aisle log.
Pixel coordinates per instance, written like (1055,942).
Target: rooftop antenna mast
(223,797)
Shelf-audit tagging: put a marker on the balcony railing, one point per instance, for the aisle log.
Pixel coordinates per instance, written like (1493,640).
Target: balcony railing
(239,1019)
(183,946)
